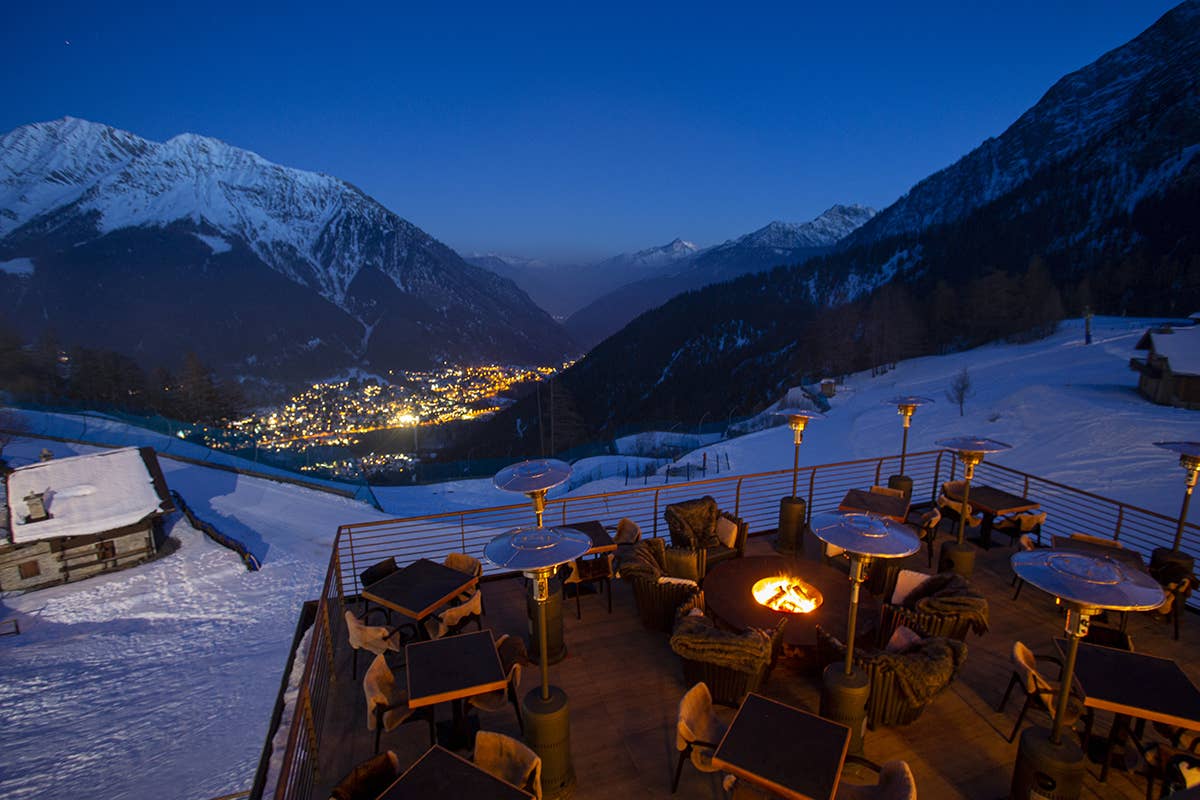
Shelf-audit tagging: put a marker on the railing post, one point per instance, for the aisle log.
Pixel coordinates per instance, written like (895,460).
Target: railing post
(349,546)
(812,480)
(564,511)
(737,499)
(1025,491)
(878,469)
(656,491)
(1120,520)
(462,532)
(328,638)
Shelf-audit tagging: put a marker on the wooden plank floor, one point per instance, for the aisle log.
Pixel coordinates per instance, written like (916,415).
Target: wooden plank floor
(624,685)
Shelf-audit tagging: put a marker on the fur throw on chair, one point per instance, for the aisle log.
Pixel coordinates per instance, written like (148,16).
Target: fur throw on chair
(922,669)
(693,523)
(644,559)
(510,760)
(946,594)
(697,637)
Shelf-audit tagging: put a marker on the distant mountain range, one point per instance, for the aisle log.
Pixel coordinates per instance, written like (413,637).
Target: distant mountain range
(773,245)
(1087,201)
(561,289)
(154,249)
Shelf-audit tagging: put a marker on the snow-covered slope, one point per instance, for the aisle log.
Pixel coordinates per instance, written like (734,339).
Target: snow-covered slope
(72,183)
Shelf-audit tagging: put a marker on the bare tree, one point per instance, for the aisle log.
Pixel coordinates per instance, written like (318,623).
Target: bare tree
(960,389)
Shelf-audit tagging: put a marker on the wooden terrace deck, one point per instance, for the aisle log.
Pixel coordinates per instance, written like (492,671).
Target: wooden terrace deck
(624,685)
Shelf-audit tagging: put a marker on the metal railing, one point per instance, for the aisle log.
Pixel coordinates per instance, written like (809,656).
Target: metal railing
(753,497)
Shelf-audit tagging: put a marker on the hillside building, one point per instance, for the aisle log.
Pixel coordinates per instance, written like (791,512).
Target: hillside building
(72,518)
(1170,372)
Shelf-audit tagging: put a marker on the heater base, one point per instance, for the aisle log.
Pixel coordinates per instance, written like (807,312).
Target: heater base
(548,733)
(1047,771)
(844,700)
(958,558)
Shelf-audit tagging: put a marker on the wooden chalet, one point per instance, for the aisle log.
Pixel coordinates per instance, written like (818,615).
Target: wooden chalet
(1170,373)
(72,518)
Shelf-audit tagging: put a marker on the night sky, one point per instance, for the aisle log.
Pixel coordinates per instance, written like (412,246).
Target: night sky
(557,131)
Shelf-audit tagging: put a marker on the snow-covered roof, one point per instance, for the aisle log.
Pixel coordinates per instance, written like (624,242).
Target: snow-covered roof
(84,495)
(1180,347)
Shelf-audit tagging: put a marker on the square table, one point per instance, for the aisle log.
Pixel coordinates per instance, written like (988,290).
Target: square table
(1134,685)
(789,752)
(419,589)
(991,503)
(884,505)
(453,668)
(442,774)
(602,541)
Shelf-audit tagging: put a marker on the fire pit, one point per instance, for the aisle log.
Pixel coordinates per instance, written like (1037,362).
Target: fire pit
(788,594)
(729,594)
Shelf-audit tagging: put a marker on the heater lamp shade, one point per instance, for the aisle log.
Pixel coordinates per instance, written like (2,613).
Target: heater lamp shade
(532,476)
(529,549)
(1190,449)
(909,400)
(1089,581)
(972,444)
(865,534)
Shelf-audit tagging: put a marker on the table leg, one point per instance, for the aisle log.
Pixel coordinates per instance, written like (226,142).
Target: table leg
(985,531)
(1116,734)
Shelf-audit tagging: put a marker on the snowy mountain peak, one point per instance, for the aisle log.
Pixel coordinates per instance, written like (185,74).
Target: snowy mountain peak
(833,224)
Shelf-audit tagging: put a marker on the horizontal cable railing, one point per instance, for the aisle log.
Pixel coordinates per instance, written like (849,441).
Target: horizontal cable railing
(753,497)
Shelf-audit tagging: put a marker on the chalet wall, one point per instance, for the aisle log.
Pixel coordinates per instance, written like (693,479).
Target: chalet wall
(77,557)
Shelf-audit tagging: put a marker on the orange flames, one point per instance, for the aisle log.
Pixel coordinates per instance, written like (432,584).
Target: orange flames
(788,594)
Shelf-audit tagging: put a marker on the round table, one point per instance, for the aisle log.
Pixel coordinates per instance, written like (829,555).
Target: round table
(728,597)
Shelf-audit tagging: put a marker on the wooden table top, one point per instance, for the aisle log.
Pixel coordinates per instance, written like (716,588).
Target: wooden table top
(602,542)
(453,667)
(1136,684)
(419,589)
(885,505)
(440,773)
(789,752)
(996,502)
(1128,557)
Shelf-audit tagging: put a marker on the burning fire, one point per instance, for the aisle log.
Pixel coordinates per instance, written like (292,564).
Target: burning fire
(785,593)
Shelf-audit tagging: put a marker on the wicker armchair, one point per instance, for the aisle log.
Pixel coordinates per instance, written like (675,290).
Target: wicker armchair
(934,605)
(660,579)
(701,525)
(731,664)
(904,682)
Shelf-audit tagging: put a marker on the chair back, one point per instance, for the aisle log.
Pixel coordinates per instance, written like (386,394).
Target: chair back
(1025,665)
(628,531)
(1098,540)
(453,616)
(1025,542)
(369,779)
(930,520)
(696,721)
(378,571)
(461,562)
(374,638)
(379,688)
(896,782)
(1028,521)
(906,581)
(509,760)
(887,490)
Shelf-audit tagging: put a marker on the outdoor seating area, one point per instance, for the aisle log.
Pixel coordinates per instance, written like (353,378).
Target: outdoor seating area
(942,652)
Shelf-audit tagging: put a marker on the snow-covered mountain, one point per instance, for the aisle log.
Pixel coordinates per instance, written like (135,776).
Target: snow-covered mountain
(685,270)
(1131,115)
(653,257)
(373,286)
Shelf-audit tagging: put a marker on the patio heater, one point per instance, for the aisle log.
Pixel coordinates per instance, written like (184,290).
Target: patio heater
(534,479)
(537,552)
(1047,766)
(1172,564)
(793,510)
(906,406)
(865,537)
(958,555)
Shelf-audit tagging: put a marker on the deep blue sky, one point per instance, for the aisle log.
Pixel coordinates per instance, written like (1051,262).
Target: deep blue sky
(540,131)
